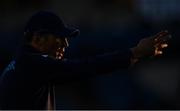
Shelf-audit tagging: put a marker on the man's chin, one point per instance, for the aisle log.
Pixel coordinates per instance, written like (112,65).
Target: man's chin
(60,56)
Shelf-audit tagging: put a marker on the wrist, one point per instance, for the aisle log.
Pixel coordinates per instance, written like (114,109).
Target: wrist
(135,53)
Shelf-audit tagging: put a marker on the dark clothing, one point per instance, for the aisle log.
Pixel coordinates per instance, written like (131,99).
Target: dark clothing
(24,83)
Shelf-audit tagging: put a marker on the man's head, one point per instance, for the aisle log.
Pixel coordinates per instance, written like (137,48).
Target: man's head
(50,44)
(46,32)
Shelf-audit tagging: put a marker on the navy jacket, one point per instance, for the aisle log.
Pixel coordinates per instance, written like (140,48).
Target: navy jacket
(23,84)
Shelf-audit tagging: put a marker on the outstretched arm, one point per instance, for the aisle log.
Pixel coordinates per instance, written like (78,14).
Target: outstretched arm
(105,63)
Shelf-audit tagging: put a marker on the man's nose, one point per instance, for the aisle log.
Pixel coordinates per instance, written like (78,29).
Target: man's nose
(66,43)
(62,42)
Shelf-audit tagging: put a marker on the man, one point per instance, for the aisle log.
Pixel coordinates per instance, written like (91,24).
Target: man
(27,81)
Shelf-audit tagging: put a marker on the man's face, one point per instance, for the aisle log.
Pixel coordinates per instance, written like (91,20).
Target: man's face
(61,44)
(55,46)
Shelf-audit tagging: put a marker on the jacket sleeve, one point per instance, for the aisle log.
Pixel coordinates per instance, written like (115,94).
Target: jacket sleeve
(99,64)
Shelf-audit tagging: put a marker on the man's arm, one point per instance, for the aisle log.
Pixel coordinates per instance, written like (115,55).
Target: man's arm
(99,64)
(102,63)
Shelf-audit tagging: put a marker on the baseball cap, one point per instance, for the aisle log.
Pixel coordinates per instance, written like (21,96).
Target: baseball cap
(48,22)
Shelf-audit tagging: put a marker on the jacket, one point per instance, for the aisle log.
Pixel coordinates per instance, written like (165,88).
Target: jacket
(25,82)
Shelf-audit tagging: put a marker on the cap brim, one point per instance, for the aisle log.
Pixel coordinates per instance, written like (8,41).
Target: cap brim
(68,32)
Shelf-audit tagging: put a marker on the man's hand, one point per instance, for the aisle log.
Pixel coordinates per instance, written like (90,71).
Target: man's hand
(151,46)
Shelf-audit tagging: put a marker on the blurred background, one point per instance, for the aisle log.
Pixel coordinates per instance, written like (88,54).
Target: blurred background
(107,25)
